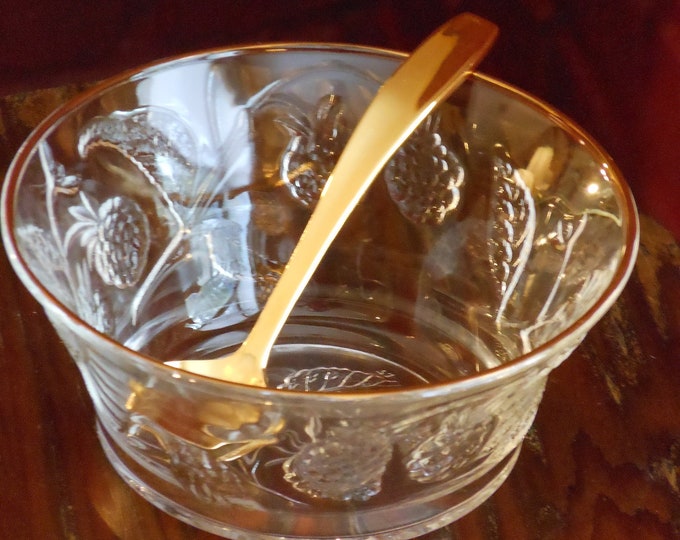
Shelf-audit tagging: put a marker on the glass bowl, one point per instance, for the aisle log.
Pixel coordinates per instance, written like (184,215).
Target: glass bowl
(152,215)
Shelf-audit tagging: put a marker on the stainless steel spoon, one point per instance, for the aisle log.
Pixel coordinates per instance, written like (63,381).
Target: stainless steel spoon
(426,78)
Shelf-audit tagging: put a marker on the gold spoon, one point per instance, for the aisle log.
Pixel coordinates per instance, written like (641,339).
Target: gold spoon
(426,78)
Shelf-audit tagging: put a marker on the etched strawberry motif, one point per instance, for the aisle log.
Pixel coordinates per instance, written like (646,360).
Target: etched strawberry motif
(116,237)
(122,242)
(512,226)
(314,149)
(425,175)
(344,465)
(453,447)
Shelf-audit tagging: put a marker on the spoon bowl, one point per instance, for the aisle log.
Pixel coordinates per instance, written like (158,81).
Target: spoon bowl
(434,70)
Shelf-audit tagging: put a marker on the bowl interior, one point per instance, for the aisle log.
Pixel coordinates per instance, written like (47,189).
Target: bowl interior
(161,208)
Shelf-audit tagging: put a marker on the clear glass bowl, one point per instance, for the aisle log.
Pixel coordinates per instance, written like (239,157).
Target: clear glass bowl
(152,215)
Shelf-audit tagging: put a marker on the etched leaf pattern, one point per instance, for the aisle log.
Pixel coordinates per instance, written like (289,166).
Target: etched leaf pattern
(154,139)
(563,229)
(46,261)
(336,379)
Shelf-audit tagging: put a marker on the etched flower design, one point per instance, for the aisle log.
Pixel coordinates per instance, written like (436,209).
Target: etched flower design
(313,150)
(561,226)
(425,176)
(116,238)
(58,181)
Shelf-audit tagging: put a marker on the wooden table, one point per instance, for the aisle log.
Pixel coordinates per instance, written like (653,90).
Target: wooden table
(602,460)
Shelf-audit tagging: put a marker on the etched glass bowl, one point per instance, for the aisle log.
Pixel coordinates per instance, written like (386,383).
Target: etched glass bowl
(152,215)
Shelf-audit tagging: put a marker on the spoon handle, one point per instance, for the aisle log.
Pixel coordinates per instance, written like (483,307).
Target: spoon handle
(434,70)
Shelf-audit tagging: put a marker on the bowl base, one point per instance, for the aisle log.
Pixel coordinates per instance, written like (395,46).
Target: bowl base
(439,513)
